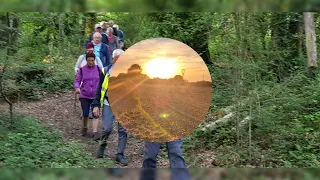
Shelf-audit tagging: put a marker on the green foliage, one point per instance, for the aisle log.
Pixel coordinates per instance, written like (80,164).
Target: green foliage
(202,5)
(58,81)
(37,5)
(259,70)
(43,54)
(285,127)
(29,145)
(51,173)
(32,71)
(199,173)
(262,75)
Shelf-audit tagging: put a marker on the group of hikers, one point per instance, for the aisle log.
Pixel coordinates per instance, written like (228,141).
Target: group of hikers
(93,69)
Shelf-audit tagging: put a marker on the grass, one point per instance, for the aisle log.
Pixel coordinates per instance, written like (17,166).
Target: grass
(25,143)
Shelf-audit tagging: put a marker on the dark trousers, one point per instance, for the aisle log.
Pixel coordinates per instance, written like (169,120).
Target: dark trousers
(177,163)
(86,108)
(107,126)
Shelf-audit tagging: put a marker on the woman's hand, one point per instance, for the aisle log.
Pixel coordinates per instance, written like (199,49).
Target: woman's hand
(77,91)
(96,111)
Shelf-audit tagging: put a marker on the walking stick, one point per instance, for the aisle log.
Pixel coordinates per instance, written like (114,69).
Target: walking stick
(75,104)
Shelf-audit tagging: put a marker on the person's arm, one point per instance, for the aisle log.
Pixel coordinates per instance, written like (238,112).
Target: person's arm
(99,62)
(107,55)
(96,101)
(117,42)
(122,36)
(115,31)
(78,80)
(104,38)
(76,68)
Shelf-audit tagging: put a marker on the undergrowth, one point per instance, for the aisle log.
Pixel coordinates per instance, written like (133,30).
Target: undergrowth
(285,126)
(27,144)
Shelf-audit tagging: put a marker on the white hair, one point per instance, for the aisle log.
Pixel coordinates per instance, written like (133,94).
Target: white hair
(97,34)
(116,26)
(117,52)
(110,29)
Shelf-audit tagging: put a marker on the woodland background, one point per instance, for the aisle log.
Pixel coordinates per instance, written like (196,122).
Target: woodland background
(266,91)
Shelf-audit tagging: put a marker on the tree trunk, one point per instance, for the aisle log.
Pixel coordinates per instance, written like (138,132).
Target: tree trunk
(301,42)
(246,46)
(61,33)
(311,45)
(9,45)
(279,40)
(238,33)
(294,29)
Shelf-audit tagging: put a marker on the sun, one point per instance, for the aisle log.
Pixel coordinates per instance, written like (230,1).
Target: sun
(161,68)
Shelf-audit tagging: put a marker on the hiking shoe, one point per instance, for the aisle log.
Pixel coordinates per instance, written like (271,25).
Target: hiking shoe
(84,131)
(121,160)
(96,136)
(101,150)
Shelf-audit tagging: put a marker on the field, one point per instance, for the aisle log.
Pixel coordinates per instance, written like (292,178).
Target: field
(157,112)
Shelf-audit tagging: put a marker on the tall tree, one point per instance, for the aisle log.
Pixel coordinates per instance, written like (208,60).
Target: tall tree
(192,29)
(310,39)
(5,64)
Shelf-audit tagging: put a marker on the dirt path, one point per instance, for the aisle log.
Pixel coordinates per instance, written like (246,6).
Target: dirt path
(57,111)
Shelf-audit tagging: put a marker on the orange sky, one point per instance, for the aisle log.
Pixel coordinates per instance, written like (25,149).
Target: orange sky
(166,50)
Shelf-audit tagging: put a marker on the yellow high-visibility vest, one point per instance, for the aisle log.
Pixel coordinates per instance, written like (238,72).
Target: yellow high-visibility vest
(104,87)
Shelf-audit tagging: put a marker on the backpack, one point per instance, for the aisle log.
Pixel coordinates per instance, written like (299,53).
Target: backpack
(115,31)
(104,38)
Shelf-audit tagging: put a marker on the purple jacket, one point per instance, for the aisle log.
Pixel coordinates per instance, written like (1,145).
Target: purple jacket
(90,81)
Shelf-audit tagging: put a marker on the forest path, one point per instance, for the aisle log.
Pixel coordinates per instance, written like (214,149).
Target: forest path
(57,112)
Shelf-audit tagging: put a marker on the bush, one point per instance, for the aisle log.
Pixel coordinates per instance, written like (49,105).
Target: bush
(58,82)
(285,127)
(32,71)
(33,79)
(50,174)
(30,145)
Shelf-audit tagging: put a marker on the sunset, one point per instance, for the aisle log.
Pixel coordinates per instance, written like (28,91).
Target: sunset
(163,58)
(151,80)
(161,68)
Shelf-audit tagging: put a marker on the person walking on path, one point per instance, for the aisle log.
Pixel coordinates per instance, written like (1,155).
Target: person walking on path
(111,23)
(86,84)
(105,26)
(101,50)
(120,36)
(113,41)
(177,163)
(81,62)
(98,28)
(101,101)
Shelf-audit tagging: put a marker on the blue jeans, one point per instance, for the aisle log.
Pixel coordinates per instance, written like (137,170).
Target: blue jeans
(177,163)
(107,126)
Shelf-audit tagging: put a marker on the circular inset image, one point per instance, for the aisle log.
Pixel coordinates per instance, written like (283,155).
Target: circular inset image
(160,90)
